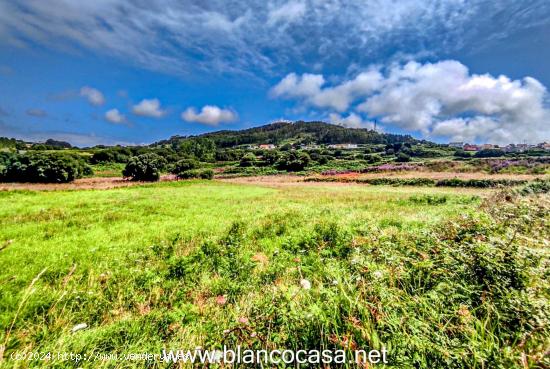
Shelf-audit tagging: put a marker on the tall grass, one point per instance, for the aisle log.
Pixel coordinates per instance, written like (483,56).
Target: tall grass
(436,277)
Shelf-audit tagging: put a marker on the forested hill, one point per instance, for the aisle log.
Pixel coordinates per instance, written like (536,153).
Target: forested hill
(298,132)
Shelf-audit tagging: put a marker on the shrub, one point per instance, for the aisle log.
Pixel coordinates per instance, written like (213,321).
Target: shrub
(184,165)
(293,161)
(402,158)
(248,160)
(145,167)
(196,173)
(373,158)
(536,187)
(43,168)
(489,153)
(462,154)
(479,183)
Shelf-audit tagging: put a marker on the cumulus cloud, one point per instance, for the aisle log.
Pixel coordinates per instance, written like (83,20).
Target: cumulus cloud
(149,108)
(94,96)
(115,117)
(353,120)
(38,113)
(438,100)
(210,115)
(308,87)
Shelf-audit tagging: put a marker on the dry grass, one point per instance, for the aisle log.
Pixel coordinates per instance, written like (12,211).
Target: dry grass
(95,183)
(440,175)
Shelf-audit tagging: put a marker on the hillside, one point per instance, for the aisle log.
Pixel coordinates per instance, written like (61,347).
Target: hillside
(298,132)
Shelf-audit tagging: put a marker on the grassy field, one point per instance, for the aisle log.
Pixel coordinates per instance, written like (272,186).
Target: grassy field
(428,273)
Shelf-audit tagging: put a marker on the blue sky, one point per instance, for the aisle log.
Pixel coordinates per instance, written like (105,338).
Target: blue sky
(113,71)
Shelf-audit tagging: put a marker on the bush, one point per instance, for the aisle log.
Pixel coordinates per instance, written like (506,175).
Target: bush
(489,153)
(462,154)
(373,158)
(43,168)
(196,173)
(248,160)
(403,158)
(479,183)
(536,187)
(145,167)
(293,161)
(184,165)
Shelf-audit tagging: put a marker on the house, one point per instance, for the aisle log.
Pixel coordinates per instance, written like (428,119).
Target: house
(510,148)
(268,147)
(468,147)
(544,145)
(457,145)
(488,147)
(347,146)
(309,147)
(522,147)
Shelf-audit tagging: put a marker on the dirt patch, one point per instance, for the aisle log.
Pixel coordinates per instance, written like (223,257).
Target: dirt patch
(278,181)
(95,183)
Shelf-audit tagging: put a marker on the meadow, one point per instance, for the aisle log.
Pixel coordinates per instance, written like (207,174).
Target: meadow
(440,277)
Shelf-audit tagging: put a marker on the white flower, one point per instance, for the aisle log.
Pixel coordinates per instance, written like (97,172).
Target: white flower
(378,274)
(79,327)
(306,285)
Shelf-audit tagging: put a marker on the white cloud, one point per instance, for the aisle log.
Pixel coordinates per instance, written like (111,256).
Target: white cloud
(114,116)
(308,88)
(439,100)
(289,12)
(252,35)
(94,96)
(210,115)
(351,121)
(149,108)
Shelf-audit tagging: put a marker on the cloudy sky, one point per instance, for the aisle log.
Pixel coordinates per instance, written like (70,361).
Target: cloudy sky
(134,71)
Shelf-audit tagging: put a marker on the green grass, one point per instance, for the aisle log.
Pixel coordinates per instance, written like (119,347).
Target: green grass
(143,266)
(108,169)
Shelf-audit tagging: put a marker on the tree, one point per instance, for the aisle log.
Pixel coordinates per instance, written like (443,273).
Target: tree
(271,157)
(248,160)
(373,158)
(293,161)
(43,168)
(204,149)
(403,158)
(145,167)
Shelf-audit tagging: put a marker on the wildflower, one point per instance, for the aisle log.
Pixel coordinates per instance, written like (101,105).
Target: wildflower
(243,320)
(378,274)
(221,300)
(306,285)
(463,311)
(79,327)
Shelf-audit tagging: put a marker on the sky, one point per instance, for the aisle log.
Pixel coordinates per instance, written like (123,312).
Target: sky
(135,71)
